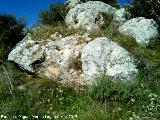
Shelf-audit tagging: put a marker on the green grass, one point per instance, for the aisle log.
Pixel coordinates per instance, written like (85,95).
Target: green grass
(104,100)
(33,95)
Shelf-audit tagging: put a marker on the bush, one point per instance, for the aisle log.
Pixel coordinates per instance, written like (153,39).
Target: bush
(109,89)
(124,96)
(146,8)
(11,32)
(55,14)
(149,62)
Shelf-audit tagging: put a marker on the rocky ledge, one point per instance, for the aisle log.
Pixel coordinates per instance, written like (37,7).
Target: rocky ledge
(74,58)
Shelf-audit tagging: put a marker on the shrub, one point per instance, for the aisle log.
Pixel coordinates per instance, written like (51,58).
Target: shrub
(11,32)
(108,18)
(124,96)
(146,8)
(55,14)
(110,89)
(149,62)
(109,30)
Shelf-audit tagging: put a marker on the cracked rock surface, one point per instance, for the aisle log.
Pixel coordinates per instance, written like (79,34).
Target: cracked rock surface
(121,16)
(56,57)
(140,28)
(73,59)
(26,53)
(88,15)
(102,56)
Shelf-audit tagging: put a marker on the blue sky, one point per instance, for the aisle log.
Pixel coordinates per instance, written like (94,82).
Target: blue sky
(29,9)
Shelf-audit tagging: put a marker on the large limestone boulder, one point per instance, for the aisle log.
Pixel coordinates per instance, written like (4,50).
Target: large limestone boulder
(26,53)
(102,56)
(74,59)
(60,56)
(121,16)
(56,57)
(88,15)
(140,28)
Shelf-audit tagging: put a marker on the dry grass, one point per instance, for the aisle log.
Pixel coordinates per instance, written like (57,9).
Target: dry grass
(44,32)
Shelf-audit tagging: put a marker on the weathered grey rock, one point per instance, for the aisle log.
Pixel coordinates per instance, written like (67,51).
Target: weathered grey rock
(26,53)
(102,56)
(121,16)
(72,3)
(57,56)
(73,59)
(88,15)
(140,28)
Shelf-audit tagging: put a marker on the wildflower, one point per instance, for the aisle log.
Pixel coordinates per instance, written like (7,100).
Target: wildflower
(24,117)
(49,117)
(133,100)
(119,108)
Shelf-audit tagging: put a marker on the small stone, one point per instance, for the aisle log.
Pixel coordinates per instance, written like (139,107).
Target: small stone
(53,71)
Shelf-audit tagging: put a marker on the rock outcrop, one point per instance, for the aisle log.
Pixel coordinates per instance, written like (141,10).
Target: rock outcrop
(55,57)
(88,15)
(140,28)
(73,59)
(62,57)
(26,53)
(121,16)
(102,56)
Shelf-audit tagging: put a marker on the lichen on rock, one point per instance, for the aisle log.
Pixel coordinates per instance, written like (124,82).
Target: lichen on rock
(102,56)
(141,29)
(88,15)
(71,61)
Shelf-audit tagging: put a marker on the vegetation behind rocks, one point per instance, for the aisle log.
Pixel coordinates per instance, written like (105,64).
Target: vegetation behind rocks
(11,32)
(56,14)
(146,8)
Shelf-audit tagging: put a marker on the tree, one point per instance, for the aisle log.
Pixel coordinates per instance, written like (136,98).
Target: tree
(146,8)
(55,14)
(11,31)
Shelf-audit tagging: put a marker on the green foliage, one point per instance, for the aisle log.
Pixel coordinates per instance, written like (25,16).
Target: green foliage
(107,99)
(54,15)
(33,95)
(146,8)
(154,43)
(105,1)
(109,30)
(107,20)
(109,89)
(125,96)
(149,63)
(11,32)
